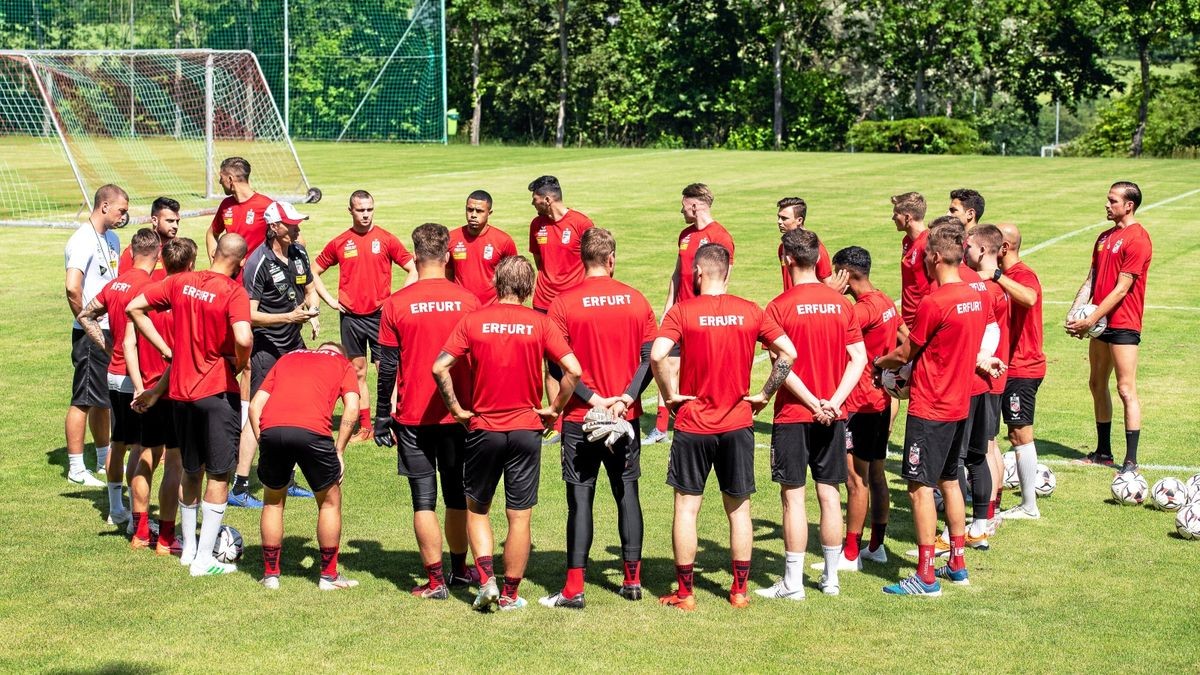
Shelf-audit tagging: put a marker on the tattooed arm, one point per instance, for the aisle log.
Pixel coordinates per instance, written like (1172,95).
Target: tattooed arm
(781,367)
(88,319)
(441,373)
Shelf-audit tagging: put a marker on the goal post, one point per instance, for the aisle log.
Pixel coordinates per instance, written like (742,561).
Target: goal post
(155,122)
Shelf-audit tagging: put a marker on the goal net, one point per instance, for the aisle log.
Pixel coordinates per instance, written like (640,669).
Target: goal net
(155,122)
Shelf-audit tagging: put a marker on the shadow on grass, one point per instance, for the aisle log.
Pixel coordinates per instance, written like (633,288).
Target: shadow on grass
(112,668)
(402,568)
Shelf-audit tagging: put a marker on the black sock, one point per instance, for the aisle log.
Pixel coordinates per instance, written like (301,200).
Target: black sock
(458,563)
(1131,443)
(241,484)
(1104,439)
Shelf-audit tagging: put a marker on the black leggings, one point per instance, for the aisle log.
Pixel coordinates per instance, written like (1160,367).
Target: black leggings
(580,522)
(424,492)
(980,487)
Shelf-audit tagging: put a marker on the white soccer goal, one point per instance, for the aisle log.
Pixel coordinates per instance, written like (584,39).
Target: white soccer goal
(155,122)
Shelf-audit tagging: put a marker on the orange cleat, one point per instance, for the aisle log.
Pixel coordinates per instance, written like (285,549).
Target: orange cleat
(739,600)
(363,434)
(684,604)
(138,544)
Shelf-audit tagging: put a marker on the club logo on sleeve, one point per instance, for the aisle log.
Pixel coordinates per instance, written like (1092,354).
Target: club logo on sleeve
(1014,404)
(460,251)
(488,252)
(375,247)
(542,236)
(914,455)
(250,217)
(566,236)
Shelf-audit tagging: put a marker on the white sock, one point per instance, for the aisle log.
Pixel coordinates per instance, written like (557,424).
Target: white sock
(1027,460)
(210,527)
(833,555)
(75,464)
(116,501)
(978,528)
(187,528)
(793,570)
(245,412)
(101,458)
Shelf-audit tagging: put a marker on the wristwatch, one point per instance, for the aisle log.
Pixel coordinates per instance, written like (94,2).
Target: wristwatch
(997,274)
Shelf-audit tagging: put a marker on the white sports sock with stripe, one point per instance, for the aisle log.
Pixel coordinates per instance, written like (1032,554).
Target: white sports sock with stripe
(793,570)
(1027,460)
(187,529)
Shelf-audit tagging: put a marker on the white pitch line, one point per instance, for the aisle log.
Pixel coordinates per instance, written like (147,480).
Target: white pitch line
(568,162)
(654,399)
(1054,240)
(1173,308)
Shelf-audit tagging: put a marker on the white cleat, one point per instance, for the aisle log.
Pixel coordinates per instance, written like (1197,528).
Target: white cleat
(340,582)
(121,517)
(211,567)
(85,478)
(879,555)
(844,565)
(1021,513)
(270,582)
(829,588)
(778,590)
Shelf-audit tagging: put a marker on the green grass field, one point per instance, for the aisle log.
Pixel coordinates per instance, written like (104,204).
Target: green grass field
(1090,587)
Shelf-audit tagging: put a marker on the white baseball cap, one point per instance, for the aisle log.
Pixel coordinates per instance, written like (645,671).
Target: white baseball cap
(283,212)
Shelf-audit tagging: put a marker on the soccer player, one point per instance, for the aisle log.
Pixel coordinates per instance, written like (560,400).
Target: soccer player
(504,344)
(291,414)
(477,248)
(947,329)
(110,302)
(611,328)
(1026,367)
(869,423)
(279,281)
(966,205)
(908,214)
(790,215)
(91,262)
(702,228)
(1116,284)
(416,321)
(554,237)
(365,253)
(714,416)
(809,430)
(242,212)
(164,219)
(213,310)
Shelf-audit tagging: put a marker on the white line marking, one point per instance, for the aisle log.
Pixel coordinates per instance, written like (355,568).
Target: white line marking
(569,162)
(1173,308)
(1054,240)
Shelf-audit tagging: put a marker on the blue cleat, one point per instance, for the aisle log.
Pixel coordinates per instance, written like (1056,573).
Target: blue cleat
(244,500)
(953,576)
(914,586)
(297,491)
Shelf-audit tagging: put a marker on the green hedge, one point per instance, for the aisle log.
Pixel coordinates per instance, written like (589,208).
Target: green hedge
(919,135)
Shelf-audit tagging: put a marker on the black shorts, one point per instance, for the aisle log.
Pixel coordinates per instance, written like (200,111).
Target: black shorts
(126,424)
(797,446)
(422,450)
(158,426)
(731,453)
(676,350)
(262,360)
(360,332)
(89,385)
(931,450)
(1020,401)
(581,459)
(867,434)
(208,431)
(983,423)
(514,455)
(282,449)
(1120,336)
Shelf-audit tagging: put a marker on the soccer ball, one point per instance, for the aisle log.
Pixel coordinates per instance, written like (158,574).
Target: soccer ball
(1193,489)
(1011,481)
(229,546)
(1129,488)
(895,382)
(1187,521)
(1169,494)
(1044,481)
(1086,311)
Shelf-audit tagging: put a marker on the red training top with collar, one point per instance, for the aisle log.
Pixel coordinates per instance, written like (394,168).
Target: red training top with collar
(204,306)
(824,265)
(822,320)
(244,218)
(557,245)
(418,319)
(505,345)
(914,278)
(1122,250)
(115,295)
(473,260)
(879,321)
(716,335)
(304,386)
(1027,360)
(691,238)
(606,322)
(946,334)
(365,277)
(126,263)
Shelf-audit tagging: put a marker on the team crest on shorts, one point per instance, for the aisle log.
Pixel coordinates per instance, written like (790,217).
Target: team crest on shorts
(849,440)
(375,247)
(1014,404)
(914,455)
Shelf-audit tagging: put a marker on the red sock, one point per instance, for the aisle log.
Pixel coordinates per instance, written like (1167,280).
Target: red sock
(633,573)
(364,418)
(329,562)
(925,563)
(141,525)
(484,564)
(663,418)
(271,560)
(510,587)
(992,506)
(435,574)
(853,542)
(166,532)
(741,574)
(877,530)
(957,544)
(574,585)
(684,575)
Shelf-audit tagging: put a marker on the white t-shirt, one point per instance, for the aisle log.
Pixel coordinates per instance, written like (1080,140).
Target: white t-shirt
(96,256)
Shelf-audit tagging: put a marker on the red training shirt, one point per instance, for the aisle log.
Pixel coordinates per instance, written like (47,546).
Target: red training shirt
(1000,309)
(204,305)
(606,323)
(1122,250)
(691,238)
(716,336)
(505,345)
(1027,360)
(557,246)
(115,295)
(473,260)
(244,218)
(150,360)
(304,386)
(946,333)
(914,278)
(824,265)
(365,277)
(879,321)
(126,263)
(418,319)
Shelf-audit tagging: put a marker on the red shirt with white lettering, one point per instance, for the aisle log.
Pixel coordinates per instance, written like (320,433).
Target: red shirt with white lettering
(914,278)
(1122,250)
(879,320)
(126,263)
(606,323)
(473,260)
(365,277)
(824,265)
(716,335)
(556,243)
(946,334)
(822,320)
(244,218)
(691,238)
(1027,360)
(304,386)
(504,345)
(204,306)
(114,297)
(418,319)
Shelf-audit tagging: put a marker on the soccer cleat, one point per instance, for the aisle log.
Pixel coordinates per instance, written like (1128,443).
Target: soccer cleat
(550,436)
(174,548)
(844,565)
(560,600)
(631,591)
(739,600)
(338,583)
(366,433)
(298,492)
(211,567)
(487,597)
(686,604)
(1094,459)
(455,581)
(829,588)
(120,517)
(953,576)
(978,543)
(244,500)
(137,544)
(655,436)
(85,478)
(914,586)
(270,582)
(879,555)
(778,590)
(508,604)
(1021,513)
(1128,467)
(426,592)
